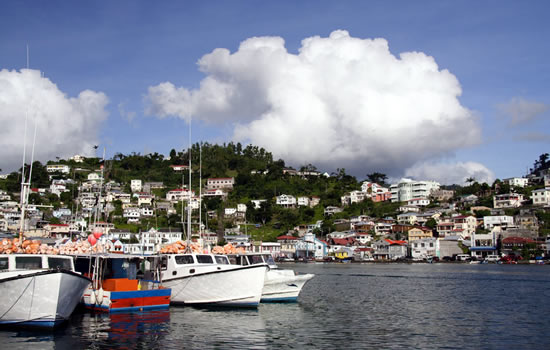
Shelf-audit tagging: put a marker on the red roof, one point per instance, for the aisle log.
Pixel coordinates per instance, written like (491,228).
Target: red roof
(286,237)
(516,240)
(340,241)
(396,242)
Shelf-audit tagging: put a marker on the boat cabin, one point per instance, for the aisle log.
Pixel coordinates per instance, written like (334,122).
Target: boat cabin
(252,259)
(35,262)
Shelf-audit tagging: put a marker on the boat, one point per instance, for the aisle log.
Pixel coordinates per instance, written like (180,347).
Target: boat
(210,280)
(280,285)
(39,290)
(122,283)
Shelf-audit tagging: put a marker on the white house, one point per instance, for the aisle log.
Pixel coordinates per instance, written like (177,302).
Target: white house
(423,248)
(408,189)
(136,185)
(503,220)
(222,183)
(257,203)
(230,211)
(286,201)
(241,208)
(516,181)
(62,168)
(180,194)
(94,177)
(303,201)
(77,158)
(145,199)
(408,218)
(214,193)
(507,200)
(131,213)
(541,196)
(147,211)
(179,167)
(419,202)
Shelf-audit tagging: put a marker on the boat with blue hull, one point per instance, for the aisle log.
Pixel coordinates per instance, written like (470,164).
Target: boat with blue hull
(123,283)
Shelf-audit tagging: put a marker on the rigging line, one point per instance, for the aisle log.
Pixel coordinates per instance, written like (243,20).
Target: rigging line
(11,307)
(32,296)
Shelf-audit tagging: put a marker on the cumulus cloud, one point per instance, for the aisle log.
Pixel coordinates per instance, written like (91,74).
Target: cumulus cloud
(339,102)
(450,173)
(65,125)
(520,111)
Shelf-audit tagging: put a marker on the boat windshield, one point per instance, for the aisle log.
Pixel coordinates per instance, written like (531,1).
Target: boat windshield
(184,259)
(4,264)
(59,263)
(268,258)
(223,260)
(205,259)
(28,262)
(255,259)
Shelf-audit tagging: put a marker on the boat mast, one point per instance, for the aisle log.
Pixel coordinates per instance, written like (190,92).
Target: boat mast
(190,192)
(24,184)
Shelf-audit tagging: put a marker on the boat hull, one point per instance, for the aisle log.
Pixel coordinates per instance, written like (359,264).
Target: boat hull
(43,299)
(126,301)
(232,286)
(283,286)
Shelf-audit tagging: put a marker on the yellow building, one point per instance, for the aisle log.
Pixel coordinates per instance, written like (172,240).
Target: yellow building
(417,233)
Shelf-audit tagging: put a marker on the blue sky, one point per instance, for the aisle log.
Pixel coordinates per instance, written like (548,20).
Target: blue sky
(497,50)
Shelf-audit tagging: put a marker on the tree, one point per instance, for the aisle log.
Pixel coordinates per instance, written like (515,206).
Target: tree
(377,177)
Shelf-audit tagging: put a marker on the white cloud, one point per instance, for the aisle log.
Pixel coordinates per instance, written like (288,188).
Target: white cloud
(126,115)
(65,125)
(520,111)
(340,102)
(451,173)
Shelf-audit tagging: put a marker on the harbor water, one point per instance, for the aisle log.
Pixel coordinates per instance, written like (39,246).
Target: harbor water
(356,306)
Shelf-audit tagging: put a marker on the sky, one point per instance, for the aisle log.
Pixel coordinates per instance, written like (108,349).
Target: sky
(430,90)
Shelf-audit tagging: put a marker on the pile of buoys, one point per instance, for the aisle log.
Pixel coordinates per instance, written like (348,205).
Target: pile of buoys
(15,246)
(81,247)
(180,247)
(227,249)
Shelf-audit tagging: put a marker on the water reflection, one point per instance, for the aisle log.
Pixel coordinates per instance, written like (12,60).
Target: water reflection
(353,306)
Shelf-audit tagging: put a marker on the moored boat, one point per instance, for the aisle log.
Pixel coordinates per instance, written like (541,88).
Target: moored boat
(210,280)
(280,285)
(122,283)
(39,290)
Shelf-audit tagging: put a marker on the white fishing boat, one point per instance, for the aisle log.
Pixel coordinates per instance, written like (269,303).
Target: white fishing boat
(210,280)
(38,290)
(280,285)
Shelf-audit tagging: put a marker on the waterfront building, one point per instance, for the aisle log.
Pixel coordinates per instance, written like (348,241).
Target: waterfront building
(288,245)
(310,246)
(483,244)
(423,248)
